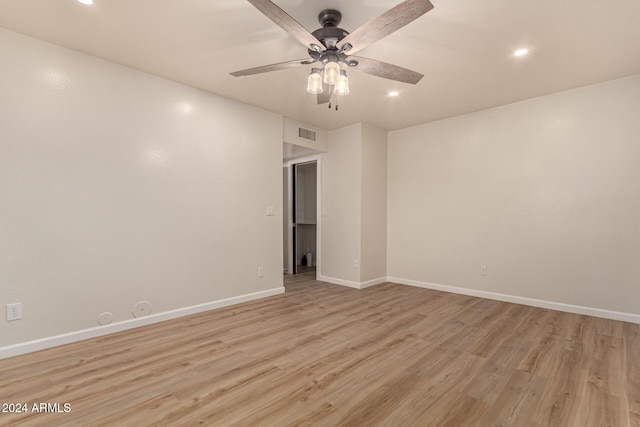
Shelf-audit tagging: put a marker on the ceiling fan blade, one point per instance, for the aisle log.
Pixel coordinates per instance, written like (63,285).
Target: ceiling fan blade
(272,67)
(387,71)
(385,24)
(290,25)
(325,95)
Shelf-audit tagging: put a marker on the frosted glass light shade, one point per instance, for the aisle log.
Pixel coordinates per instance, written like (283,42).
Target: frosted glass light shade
(331,73)
(314,83)
(342,84)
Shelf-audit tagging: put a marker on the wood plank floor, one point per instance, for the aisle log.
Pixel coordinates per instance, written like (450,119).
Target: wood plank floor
(326,355)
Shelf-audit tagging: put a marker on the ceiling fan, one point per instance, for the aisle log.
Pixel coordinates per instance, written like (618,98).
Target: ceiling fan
(331,45)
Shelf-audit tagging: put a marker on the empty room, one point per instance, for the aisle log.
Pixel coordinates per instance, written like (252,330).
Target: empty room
(320,213)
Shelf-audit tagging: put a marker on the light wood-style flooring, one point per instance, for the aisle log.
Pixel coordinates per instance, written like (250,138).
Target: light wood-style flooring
(326,355)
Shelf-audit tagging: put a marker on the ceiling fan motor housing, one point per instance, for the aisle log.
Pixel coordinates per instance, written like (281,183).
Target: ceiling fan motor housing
(330,18)
(330,34)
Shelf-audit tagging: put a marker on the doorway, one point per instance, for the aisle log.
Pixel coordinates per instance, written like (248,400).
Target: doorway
(302,204)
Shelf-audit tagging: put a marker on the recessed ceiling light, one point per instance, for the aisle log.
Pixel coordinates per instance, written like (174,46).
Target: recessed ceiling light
(89,2)
(521,52)
(394,93)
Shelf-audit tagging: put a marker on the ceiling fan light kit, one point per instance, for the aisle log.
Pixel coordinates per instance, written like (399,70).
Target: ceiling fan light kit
(342,84)
(331,72)
(314,83)
(331,45)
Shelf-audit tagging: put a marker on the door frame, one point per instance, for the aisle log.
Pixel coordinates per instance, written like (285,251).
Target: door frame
(289,170)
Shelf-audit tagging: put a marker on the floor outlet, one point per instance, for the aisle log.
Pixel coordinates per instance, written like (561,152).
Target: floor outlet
(14,311)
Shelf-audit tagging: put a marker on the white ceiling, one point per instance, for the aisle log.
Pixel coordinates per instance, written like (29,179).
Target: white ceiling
(462,46)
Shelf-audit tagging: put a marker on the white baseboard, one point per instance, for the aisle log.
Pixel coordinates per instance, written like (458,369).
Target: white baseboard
(350,284)
(341,282)
(71,337)
(372,282)
(569,308)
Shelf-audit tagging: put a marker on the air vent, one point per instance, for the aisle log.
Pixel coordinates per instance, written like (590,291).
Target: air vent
(306,134)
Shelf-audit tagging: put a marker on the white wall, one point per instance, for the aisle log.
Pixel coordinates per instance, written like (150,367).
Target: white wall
(117,186)
(306,192)
(341,193)
(545,193)
(374,204)
(354,196)
(290,135)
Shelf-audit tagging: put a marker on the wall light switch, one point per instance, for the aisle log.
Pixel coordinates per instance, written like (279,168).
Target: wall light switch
(271,210)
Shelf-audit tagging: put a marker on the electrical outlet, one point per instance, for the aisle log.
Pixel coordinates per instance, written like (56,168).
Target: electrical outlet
(260,271)
(356,263)
(14,311)
(483,270)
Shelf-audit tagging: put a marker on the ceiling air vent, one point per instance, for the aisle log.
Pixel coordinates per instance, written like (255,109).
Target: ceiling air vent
(306,134)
